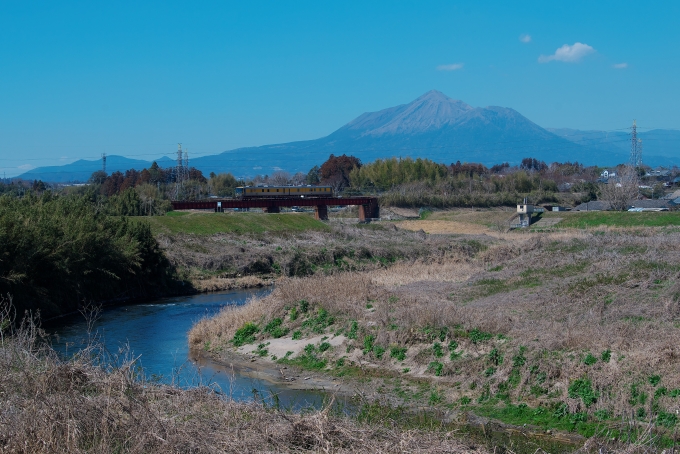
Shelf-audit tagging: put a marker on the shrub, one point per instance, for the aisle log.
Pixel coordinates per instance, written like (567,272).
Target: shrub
(275,329)
(589,360)
(354,327)
(319,323)
(660,392)
(583,388)
(602,414)
(654,380)
(495,357)
(606,356)
(378,351)
(477,336)
(437,350)
(399,353)
(59,251)
(666,419)
(368,344)
(519,359)
(436,367)
(262,350)
(297,335)
(324,346)
(435,397)
(245,334)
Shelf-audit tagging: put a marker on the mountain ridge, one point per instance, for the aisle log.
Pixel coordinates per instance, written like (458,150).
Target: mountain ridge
(433,126)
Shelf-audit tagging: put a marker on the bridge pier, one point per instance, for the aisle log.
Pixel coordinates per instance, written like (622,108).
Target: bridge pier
(321,212)
(271,209)
(369,211)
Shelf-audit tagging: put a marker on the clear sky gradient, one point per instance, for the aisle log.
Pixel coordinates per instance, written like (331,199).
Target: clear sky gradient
(134,78)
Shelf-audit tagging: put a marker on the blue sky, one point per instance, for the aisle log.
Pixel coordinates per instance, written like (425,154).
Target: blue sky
(134,78)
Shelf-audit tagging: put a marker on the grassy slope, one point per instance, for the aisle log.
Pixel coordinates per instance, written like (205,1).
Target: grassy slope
(211,223)
(618,219)
(574,219)
(545,304)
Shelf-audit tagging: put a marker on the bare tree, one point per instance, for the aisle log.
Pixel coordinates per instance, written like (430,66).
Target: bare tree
(279,178)
(621,190)
(298,179)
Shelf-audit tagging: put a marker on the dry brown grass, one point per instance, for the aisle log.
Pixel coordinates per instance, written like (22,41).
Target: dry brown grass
(50,405)
(215,284)
(560,295)
(442,227)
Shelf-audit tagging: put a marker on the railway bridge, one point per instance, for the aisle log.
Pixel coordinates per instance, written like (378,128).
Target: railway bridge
(368,206)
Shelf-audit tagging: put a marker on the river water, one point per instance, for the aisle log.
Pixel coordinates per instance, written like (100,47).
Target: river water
(155,333)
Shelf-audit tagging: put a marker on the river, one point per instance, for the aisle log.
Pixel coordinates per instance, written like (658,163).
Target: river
(155,333)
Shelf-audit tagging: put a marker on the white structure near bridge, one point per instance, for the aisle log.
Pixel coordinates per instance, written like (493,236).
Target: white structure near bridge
(526,212)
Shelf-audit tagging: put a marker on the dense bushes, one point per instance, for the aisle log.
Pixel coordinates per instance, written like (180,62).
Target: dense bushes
(421,182)
(384,174)
(58,252)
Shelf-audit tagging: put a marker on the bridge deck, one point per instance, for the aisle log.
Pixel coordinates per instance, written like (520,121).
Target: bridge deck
(368,206)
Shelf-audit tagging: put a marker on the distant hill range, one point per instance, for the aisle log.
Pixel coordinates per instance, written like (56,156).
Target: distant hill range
(433,126)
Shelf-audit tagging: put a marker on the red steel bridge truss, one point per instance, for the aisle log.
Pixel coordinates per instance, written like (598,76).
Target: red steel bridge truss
(368,206)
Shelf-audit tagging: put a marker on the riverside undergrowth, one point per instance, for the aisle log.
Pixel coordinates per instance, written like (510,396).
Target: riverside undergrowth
(537,326)
(97,402)
(59,252)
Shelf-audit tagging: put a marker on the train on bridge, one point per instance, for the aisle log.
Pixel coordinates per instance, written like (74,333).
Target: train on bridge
(272,198)
(265,191)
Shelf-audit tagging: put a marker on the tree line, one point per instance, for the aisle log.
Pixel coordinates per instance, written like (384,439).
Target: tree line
(58,252)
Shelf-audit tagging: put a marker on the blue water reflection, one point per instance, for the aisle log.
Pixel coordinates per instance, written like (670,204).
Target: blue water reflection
(156,334)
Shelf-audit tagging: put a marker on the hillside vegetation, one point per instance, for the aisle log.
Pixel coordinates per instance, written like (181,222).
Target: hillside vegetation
(59,252)
(74,406)
(239,223)
(572,330)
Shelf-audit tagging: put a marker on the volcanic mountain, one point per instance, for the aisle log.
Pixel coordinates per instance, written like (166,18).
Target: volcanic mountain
(433,126)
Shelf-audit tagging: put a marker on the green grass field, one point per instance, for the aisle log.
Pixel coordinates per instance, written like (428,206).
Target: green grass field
(581,220)
(211,223)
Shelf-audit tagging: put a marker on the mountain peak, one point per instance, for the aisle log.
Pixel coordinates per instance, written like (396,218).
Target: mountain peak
(430,111)
(434,96)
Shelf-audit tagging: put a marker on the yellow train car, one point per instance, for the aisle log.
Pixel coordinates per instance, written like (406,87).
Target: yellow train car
(266,192)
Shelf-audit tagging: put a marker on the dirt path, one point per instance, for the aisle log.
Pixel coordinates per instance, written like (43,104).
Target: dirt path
(447,228)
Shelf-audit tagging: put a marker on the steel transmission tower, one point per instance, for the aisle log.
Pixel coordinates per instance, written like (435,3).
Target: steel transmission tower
(635,147)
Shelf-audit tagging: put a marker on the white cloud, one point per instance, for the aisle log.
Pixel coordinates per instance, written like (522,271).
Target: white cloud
(620,66)
(26,167)
(567,53)
(451,67)
(525,38)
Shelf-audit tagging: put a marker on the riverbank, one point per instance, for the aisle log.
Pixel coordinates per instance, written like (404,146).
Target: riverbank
(240,256)
(571,330)
(54,405)
(363,396)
